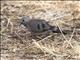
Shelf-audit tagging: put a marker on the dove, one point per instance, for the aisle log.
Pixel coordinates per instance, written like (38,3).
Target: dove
(38,25)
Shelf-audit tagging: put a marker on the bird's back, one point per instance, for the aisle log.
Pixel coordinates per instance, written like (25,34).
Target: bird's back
(38,25)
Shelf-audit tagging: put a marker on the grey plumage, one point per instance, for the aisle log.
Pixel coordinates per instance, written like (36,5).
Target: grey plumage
(38,25)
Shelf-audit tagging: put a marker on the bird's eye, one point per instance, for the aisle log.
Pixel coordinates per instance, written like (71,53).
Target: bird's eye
(23,20)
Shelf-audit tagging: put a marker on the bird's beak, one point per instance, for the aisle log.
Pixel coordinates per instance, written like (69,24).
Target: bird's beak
(19,23)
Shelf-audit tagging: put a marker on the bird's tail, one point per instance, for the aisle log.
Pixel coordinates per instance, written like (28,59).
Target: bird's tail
(56,30)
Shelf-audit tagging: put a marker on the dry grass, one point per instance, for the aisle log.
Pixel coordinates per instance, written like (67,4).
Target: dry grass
(17,43)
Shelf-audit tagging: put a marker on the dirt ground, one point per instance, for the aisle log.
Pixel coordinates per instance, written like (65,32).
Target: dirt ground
(17,42)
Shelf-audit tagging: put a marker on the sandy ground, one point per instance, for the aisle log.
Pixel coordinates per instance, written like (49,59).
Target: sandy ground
(17,42)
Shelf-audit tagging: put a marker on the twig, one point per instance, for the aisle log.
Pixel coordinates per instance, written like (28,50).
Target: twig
(65,37)
(9,22)
(45,49)
(71,37)
(21,40)
(61,32)
(45,38)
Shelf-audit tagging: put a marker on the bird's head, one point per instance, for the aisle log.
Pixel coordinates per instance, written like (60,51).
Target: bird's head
(24,20)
